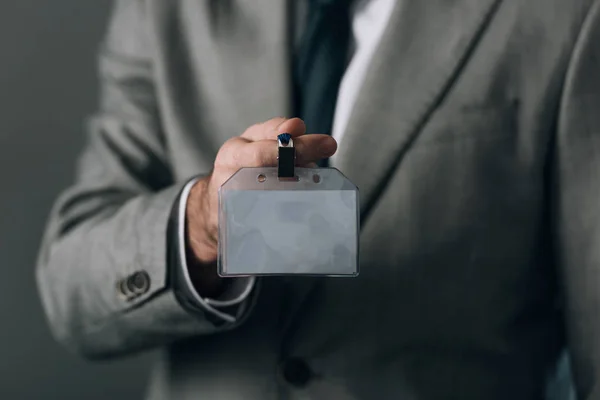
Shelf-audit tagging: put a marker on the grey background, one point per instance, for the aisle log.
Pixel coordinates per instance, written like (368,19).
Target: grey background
(47,88)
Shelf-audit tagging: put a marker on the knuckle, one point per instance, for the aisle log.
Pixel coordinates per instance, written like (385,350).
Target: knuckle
(272,125)
(257,158)
(227,145)
(220,160)
(227,152)
(223,159)
(278,120)
(251,129)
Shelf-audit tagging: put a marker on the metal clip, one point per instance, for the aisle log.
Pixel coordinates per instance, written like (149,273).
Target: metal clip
(287,156)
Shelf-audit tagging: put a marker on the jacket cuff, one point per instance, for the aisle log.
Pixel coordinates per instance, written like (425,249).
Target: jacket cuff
(231,305)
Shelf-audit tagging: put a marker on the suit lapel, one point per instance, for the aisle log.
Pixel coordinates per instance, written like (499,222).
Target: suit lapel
(418,57)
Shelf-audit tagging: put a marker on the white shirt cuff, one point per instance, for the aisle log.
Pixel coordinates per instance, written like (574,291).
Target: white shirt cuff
(237,292)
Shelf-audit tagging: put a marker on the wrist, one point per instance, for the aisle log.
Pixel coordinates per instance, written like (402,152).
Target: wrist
(201,243)
(201,239)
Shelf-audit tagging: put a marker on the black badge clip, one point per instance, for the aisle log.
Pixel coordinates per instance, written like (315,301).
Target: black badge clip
(287,156)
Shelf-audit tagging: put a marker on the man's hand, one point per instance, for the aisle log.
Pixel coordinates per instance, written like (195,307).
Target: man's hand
(257,147)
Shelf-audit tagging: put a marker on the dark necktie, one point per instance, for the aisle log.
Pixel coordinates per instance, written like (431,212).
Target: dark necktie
(321,61)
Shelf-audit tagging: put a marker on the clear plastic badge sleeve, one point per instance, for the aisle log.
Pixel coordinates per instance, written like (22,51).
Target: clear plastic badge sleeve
(305,225)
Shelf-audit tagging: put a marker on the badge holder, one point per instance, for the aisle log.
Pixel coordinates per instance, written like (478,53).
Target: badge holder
(288,220)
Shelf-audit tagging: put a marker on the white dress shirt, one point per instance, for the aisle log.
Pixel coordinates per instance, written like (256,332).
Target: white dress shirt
(369,20)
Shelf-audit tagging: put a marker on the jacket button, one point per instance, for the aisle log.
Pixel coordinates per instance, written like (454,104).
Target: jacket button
(139,282)
(296,372)
(122,288)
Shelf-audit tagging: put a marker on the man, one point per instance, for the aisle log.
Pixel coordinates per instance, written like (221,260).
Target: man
(471,129)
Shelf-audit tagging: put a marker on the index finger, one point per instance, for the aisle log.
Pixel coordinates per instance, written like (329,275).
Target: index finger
(270,129)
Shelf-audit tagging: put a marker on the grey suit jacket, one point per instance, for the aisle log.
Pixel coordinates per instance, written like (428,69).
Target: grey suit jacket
(475,142)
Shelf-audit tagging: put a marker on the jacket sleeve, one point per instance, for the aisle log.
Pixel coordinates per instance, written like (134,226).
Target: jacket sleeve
(104,271)
(576,206)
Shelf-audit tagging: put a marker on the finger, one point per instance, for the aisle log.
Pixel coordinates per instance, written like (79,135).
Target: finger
(293,126)
(309,148)
(270,129)
(238,152)
(255,132)
(314,147)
